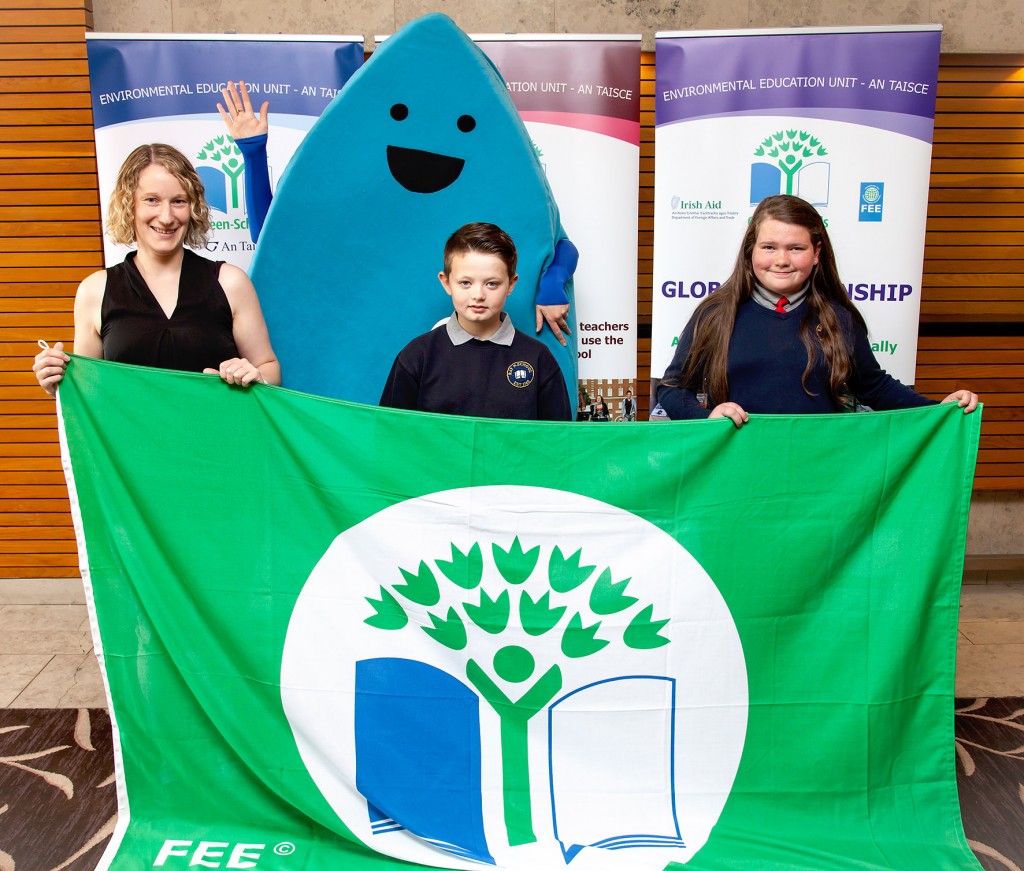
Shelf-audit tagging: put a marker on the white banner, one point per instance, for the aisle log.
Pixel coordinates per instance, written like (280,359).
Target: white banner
(841,118)
(165,88)
(579,97)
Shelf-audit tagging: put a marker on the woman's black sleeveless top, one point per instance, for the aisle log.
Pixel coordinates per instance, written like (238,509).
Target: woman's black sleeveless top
(196,336)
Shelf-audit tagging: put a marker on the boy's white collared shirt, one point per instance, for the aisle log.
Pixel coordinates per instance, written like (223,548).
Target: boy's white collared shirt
(502,336)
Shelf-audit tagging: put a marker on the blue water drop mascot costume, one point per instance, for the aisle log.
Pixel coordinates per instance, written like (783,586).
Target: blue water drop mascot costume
(421,140)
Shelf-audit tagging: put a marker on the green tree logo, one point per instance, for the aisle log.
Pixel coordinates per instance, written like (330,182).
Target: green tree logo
(508,609)
(790,148)
(225,153)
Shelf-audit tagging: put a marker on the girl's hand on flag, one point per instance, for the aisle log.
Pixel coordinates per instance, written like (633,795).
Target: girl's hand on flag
(965,399)
(730,410)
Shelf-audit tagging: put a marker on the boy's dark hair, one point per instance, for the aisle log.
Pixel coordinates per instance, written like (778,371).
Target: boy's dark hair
(484,239)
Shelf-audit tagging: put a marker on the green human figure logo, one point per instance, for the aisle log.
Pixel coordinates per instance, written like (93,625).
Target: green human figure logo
(223,152)
(501,606)
(790,149)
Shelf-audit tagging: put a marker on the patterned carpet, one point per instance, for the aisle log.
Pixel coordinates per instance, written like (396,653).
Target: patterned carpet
(58,804)
(990,774)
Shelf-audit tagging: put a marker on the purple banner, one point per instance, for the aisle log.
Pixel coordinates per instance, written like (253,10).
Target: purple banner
(841,118)
(816,74)
(134,79)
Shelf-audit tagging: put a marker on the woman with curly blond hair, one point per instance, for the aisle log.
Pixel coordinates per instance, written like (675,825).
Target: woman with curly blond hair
(166,306)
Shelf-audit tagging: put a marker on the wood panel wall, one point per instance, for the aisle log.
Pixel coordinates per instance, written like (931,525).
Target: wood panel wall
(49,241)
(645,238)
(973,300)
(972,304)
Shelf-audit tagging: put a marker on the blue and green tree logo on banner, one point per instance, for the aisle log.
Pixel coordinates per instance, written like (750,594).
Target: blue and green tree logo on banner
(790,162)
(220,166)
(533,692)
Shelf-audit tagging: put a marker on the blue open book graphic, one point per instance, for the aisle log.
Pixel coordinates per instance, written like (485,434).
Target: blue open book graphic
(215,183)
(612,765)
(811,182)
(418,754)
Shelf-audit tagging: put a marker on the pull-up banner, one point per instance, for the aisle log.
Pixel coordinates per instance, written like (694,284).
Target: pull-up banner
(579,97)
(165,88)
(344,637)
(842,118)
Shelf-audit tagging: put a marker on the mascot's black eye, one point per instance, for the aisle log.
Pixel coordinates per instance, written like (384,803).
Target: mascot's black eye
(399,111)
(466,123)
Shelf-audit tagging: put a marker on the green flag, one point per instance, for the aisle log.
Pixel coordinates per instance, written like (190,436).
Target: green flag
(338,636)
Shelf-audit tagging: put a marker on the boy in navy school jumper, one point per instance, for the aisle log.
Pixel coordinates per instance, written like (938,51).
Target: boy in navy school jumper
(477,363)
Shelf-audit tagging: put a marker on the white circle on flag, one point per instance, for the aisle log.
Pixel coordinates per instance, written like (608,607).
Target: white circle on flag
(634,749)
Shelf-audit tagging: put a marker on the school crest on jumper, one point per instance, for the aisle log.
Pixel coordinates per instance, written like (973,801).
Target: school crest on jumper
(520,374)
(510,675)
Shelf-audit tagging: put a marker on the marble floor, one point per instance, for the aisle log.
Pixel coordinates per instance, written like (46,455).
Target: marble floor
(47,660)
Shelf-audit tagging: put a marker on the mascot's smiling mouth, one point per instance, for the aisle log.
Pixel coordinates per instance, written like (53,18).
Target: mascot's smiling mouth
(423,172)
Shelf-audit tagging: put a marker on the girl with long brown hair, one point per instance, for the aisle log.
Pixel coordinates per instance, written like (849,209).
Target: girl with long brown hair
(780,336)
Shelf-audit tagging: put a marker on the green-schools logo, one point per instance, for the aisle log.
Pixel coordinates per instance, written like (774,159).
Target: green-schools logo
(790,162)
(519,677)
(220,166)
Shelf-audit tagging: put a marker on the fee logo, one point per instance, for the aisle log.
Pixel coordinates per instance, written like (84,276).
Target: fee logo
(872,198)
(791,165)
(496,688)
